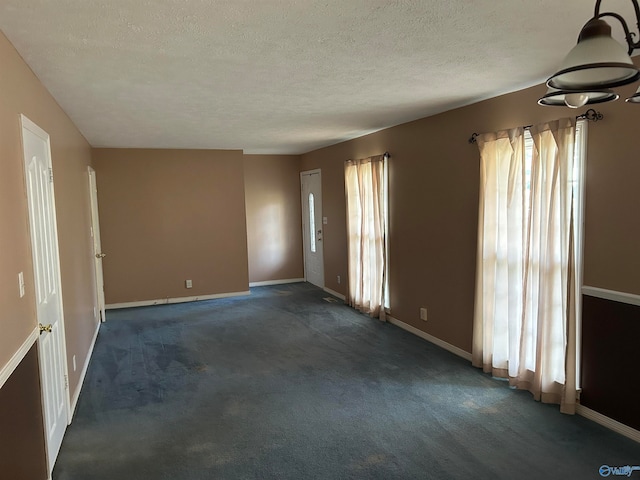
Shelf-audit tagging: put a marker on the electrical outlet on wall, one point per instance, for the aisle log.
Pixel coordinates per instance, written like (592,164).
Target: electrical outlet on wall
(423,313)
(188,283)
(338,279)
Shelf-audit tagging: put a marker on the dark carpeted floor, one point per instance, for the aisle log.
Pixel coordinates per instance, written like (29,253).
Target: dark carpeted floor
(282,384)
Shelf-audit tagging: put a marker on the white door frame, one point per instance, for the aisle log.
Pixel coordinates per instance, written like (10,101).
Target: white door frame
(27,124)
(97,245)
(305,229)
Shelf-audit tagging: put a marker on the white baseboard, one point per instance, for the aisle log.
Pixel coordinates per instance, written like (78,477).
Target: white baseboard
(430,338)
(599,418)
(621,297)
(335,294)
(17,357)
(164,301)
(83,374)
(276,282)
(610,423)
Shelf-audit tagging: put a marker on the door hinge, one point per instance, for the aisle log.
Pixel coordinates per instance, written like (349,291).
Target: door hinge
(66,381)
(50,175)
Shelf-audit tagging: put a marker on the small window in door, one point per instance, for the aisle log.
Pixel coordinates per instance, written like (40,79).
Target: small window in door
(312,224)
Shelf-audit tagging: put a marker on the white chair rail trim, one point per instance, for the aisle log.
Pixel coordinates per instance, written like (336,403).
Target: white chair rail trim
(17,357)
(622,297)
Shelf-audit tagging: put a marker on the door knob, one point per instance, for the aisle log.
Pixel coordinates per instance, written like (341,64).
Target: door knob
(101,255)
(44,328)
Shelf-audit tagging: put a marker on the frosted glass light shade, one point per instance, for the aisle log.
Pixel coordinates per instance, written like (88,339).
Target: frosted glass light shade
(557,98)
(576,100)
(596,62)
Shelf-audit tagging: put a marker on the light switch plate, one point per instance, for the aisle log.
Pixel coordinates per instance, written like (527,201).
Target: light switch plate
(21,284)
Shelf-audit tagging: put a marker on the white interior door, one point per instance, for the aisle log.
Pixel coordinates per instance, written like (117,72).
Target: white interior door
(312,226)
(46,269)
(98,254)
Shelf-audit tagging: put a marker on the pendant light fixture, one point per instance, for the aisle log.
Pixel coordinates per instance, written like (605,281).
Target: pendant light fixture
(595,65)
(576,99)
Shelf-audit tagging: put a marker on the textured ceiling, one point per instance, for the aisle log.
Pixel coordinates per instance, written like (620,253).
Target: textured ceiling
(281,76)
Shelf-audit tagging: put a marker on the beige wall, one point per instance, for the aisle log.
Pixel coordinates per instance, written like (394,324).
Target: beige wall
(22,92)
(171,215)
(274,222)
(434,179)
(612,228)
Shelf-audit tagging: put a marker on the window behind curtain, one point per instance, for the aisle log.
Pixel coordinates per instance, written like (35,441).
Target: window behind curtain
(577,182)
(526,320)
(366,188)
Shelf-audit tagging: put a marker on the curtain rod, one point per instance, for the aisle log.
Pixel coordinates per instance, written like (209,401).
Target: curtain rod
(590,115)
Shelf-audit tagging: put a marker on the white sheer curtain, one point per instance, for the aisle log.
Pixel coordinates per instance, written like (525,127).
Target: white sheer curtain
(525,320)
(365,185)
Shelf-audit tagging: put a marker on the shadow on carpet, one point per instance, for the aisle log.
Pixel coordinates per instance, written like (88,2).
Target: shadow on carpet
(282,384)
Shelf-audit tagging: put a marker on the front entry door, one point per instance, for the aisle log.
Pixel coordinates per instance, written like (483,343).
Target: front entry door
(46,270)
(312,234)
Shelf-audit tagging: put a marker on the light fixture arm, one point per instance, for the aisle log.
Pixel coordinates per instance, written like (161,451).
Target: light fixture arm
(628,34)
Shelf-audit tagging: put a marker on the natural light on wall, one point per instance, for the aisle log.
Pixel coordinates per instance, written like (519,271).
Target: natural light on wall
(272,238)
